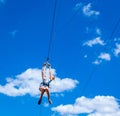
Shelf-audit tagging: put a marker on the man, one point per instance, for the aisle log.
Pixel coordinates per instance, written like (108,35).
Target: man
(47,77)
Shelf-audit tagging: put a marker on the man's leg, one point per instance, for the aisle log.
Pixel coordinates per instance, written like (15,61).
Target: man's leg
(48,94)
(42,92)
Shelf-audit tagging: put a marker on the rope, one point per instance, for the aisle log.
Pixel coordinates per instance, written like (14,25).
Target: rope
(51,32)
(50,41)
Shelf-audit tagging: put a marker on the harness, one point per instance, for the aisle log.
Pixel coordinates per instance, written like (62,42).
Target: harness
(46,84)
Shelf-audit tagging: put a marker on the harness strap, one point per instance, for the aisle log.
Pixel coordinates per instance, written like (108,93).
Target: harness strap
(45,83)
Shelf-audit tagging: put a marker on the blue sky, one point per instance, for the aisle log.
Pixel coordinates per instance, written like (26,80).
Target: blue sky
(85,57)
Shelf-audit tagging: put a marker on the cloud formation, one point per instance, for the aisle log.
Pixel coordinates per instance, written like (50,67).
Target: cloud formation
(78,6)
(117,49)
(87,10)
(97,106)
(101,57)
(28,83)
(92,30)
(98,31)
(105,56)
(95,41)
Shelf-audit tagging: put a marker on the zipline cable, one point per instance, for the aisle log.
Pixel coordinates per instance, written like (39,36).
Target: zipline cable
(88,80)
(51,31)
(110,40)
(104,49)
(69,20)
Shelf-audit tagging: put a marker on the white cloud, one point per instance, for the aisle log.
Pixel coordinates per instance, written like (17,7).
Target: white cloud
(61,85)
(101,57)
(88,12)
(25,83)
(97,62)
(98,106)
(105,56)
(116,39)
(98,31)
(46,104)
(28,83)
(78,6)
(117,49)
(86,9)
(92,30)
(95,41)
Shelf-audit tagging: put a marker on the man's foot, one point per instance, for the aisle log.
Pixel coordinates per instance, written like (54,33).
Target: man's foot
(39,102)
(50,101)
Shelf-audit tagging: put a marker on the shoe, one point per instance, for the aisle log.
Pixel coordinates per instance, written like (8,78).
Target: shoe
(39,102)
(50,101)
